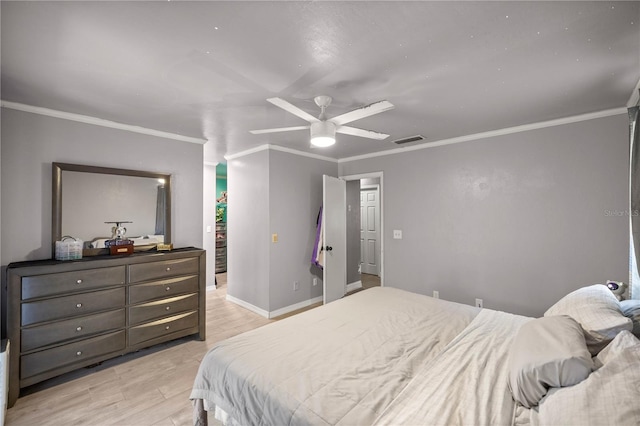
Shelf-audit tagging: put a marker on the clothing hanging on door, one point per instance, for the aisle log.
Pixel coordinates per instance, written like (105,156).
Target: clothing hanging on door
(317,258)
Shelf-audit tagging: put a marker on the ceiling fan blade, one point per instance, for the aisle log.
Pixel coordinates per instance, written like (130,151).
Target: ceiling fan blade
(353,131)
(279,129)
(292,109)
(365,111)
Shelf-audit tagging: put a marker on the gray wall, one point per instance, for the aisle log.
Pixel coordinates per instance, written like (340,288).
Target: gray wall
(273,192)
(518,220)
(369,181)
(353,231)
(248,235)
(295,198)
(31,142)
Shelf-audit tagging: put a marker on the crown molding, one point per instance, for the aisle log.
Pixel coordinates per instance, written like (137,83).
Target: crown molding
(281,149)
(98,122)
(493,133)
(244,153)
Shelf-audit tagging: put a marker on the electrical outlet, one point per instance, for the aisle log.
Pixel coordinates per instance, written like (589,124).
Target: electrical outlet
(397,234)
(478,303)
(296,285)
(315,281)
(436,294)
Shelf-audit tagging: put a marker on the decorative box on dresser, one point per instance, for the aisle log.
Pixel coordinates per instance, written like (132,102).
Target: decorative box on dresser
(62,316)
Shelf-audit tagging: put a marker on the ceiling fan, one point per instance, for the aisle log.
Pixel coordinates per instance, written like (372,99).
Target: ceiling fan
(323,129)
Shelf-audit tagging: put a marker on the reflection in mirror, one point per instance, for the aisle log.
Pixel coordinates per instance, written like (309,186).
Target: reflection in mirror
(85,197)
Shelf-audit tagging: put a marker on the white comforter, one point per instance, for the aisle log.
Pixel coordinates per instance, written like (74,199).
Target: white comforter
(382,355)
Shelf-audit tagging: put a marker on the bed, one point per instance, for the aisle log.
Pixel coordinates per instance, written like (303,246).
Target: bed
(389,357)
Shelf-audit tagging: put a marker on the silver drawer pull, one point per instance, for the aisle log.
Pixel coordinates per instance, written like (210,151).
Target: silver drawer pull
(166,328)
(78,353)
(79,281)
(168,288)
(79,328)
(78,305)
(168,268)
(167,308)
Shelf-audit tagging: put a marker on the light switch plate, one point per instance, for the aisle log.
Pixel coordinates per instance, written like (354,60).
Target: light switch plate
(397,234)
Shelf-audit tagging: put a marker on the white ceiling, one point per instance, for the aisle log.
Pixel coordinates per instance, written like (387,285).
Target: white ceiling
(204,69)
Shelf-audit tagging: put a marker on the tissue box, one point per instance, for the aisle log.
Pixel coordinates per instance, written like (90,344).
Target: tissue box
(69,248)
(121,249)
(119,246)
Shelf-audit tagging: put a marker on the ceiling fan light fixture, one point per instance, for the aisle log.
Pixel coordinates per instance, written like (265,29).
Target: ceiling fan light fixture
(323,134)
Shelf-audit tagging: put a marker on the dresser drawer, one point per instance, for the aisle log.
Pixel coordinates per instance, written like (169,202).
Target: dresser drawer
(68,282)
(44,335)
(144,332)
(162,308)
(51,359)
(160,289)
(70,306)
(167,268)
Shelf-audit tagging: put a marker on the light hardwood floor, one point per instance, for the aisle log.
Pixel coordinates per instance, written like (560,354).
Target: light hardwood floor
(149,387)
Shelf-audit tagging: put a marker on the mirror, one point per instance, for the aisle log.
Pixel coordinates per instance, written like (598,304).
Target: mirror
(85,197)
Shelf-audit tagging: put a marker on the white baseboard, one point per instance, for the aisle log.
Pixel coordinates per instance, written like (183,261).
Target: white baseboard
(277,312)
(354,286)
(248,306)
(294,307)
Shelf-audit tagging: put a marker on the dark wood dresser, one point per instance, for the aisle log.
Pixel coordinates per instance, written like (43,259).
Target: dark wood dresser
(62,316)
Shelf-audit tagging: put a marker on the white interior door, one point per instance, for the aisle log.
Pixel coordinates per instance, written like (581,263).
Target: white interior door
(334,231)
(370,231)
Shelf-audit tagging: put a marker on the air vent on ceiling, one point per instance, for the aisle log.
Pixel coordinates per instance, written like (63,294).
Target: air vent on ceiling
(409,139)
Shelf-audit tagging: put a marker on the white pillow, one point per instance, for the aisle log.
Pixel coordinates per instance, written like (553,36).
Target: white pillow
(623,340)
(547,352)
(597,310)
(609,396)
(631,309)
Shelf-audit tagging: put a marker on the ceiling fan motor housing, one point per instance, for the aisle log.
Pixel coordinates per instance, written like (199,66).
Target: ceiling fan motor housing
(323,133)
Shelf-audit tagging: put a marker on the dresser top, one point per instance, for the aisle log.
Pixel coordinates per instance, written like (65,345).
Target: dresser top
(136,257)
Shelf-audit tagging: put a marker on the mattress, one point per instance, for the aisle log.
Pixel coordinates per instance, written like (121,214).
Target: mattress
(352,361)
(389,357)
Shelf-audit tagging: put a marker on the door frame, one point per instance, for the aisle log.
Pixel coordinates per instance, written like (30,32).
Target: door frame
(381,192)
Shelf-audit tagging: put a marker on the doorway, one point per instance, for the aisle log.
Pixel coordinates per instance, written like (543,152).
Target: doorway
(369,229)
(365,236)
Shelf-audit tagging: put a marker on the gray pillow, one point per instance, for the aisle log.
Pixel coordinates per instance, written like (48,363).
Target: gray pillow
(547,352)
(597,310)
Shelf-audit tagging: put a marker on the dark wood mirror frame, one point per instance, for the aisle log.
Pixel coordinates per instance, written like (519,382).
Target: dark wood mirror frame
(56,217)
